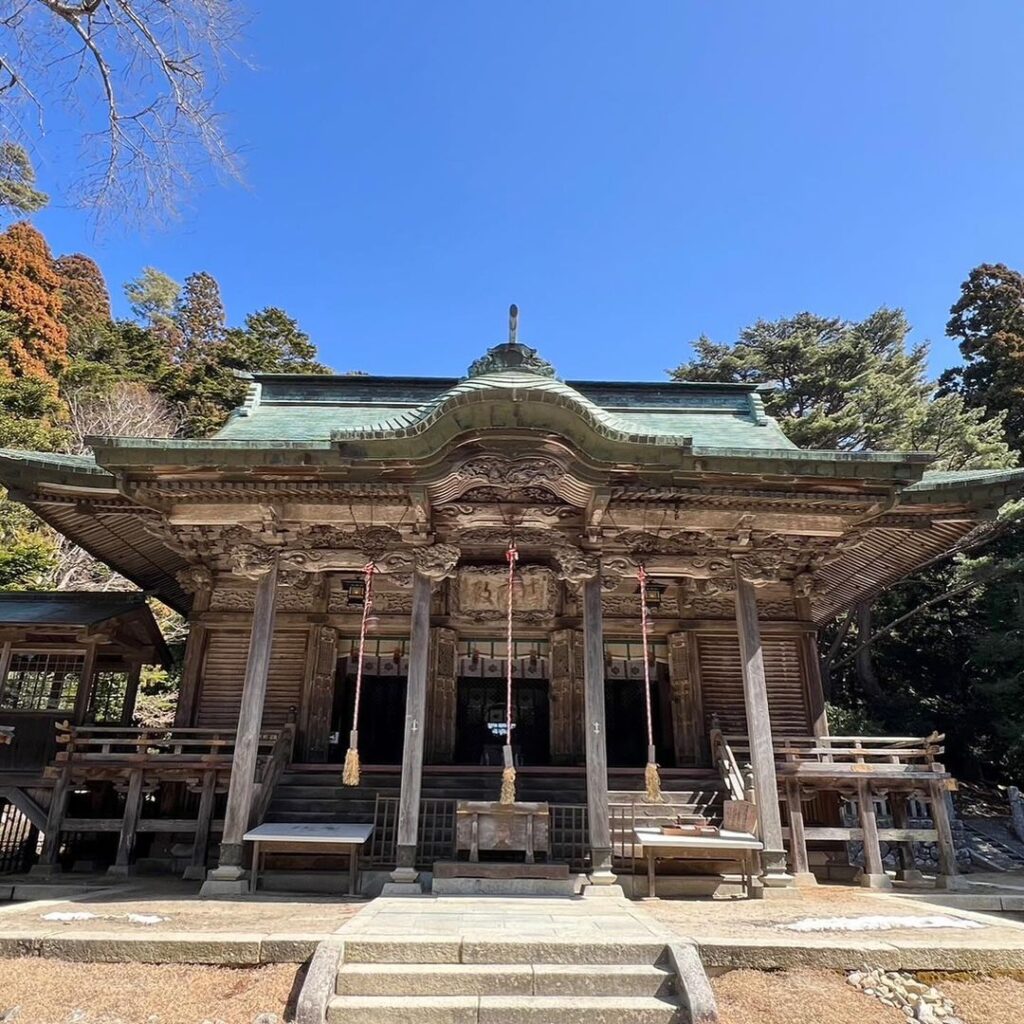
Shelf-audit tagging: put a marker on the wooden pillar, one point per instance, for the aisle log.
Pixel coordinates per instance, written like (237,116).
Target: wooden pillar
(198,581)
(86,683)
(949,874)
(759,731)
(131,692)
(50,854)
(129,825)
(412,747)
(813,688)
(320,696)
(797,840)
(688,735)
(596,742)
(204,818)
(442,684)
(907,870)
(873,876)
(228,875)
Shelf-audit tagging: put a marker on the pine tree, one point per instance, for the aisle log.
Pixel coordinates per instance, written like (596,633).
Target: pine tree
(988,322)
(199,314)
(18,192)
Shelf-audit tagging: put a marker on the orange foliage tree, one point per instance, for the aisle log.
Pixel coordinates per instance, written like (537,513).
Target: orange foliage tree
(35,340)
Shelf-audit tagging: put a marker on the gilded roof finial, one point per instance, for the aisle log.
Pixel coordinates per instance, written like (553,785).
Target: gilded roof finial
(513,323)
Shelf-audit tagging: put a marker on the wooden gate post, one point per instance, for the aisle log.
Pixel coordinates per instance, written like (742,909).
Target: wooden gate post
(129,825)
(873,876)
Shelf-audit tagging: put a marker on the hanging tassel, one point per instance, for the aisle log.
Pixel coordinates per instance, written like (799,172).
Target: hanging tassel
(652,781)
(508,778)
(508,773)
(350,773)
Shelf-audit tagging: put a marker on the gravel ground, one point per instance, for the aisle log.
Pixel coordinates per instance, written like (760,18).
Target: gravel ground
(814,997)
(55,992)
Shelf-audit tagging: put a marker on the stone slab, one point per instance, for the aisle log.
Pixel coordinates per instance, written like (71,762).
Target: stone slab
(601,980)
(504,886)
(421,950)
(288,947)
(435,979)
(318,986)
(169,947)
(486,951)
(403,1010)
(577,1010)
(483,869)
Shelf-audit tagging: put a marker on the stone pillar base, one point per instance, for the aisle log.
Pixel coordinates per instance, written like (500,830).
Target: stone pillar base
(227,880)
(952,883)
(402,889)
(121,870)
(45,870)
(870,881)
(194,873)
(602,890)
(804,879)
(910,875)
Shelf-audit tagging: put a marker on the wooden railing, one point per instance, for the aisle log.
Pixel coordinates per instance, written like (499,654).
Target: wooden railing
(145,759)
(279,758)
(90,744)
(724,759)
(839,756)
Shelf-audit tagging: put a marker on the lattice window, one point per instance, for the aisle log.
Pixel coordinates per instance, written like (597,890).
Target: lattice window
(42,681)
(108,697)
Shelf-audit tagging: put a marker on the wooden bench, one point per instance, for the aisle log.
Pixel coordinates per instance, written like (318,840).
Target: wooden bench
(298,837)
(657,845)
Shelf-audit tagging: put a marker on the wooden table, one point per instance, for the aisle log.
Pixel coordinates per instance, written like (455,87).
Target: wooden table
(293,837)
(656,845)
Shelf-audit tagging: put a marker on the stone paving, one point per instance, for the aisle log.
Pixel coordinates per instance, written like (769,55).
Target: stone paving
(149,919)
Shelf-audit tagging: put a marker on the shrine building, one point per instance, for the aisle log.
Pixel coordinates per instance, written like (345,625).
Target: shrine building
(686,495)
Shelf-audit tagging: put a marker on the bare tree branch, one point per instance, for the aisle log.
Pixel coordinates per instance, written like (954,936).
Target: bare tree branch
(143,106)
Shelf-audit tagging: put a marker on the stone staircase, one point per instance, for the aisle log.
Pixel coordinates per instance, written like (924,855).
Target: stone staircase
(534,983)
(310,793)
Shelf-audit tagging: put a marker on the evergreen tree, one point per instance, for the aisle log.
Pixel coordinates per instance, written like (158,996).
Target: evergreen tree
(85,300)
(199,314)
(988,322)
(18,192)
(153,297)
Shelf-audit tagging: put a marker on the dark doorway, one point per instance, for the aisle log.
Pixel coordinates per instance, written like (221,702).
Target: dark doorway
(626,718)
(480,721)
(381,718)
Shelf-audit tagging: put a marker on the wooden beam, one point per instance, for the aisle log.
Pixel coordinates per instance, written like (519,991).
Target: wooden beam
(412,744)
(50,854)
(874,876)
(129,825)
(131,692)
(797,839)
(596,739)
(201,840)
(759,731)
(250,718)
(948,869)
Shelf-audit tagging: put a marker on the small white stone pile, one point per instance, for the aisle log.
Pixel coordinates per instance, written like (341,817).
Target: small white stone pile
(918,1001)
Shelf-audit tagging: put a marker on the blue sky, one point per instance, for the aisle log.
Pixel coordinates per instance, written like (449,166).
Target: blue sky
(631,174)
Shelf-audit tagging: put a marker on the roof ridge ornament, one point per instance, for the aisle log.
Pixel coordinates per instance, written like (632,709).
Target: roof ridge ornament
(511,355)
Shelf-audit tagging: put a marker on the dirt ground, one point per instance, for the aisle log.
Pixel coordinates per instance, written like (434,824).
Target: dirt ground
(55,992)
(815,997)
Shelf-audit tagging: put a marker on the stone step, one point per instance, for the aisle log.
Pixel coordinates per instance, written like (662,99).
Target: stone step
(503,979)
(504,1009)
(505,886)
(441,949)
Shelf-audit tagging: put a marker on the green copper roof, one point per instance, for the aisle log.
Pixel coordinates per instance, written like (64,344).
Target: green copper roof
(288,407)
